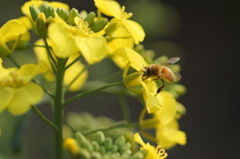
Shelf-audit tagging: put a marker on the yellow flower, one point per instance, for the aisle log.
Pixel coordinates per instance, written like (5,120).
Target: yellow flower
(17,92)
(152,152)
(167,129)
(137,62)
(71,39)
(72,73)
(113,9)
(11,32)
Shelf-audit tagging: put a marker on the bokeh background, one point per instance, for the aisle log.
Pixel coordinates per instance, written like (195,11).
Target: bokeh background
(205,34)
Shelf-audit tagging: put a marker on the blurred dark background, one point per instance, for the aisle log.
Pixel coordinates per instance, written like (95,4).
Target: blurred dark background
(205,34)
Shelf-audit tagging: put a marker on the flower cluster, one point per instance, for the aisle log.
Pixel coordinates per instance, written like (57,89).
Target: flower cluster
(69,42)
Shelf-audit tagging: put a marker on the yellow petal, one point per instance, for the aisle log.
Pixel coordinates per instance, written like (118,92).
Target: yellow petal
(151,101)
(169,135)
(6,95)
(24,97)
(135,30)
(12,30)
(129,55)
(108,7)
(168,112)
(93,48)
(28,71)
(64,42)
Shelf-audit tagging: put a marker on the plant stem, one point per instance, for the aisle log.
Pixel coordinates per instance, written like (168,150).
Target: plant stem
(58,107)
(125,108)
(91,91)
(44,118)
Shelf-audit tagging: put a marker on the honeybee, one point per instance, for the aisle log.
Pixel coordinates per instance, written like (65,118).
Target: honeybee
(160,72)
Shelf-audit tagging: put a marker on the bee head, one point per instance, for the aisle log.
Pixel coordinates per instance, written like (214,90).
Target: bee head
(145,70)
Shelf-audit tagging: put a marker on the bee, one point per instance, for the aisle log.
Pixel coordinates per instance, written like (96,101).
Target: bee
(160,72)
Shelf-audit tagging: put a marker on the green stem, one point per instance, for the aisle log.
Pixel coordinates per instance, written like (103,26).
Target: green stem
(13,61)
(52,60)
(44,118)
(91,91)
(117,126)
(125,108)
(58,107)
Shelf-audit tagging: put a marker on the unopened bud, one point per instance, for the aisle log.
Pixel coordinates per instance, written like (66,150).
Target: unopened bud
(120,141)
(111,28)
(99,25)
(34,12)
(90,18)
(100,138)
(62,13)
(72,14)
(71,146)
(41,25)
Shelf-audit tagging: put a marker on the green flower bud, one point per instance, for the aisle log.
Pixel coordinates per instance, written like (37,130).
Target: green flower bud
(139,155)
(100,138)
(50,12)
(34,12)
(84,154)
(72,14)
(125,148)
(62,13)
(90,18)
(83,141)
(43,7)
(41,25)
(114,149)
(96,155)
(102,150)
(120,141)
(108,143)
(111,28)
(99,25)
(95,146)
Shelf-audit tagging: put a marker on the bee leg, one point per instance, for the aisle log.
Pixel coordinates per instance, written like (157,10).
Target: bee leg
(146,77)
(161,87)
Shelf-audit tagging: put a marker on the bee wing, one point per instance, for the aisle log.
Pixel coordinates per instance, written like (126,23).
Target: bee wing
(177,76)
(171,61)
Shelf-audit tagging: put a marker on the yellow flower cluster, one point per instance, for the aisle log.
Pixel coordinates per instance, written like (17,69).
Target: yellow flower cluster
(66,36)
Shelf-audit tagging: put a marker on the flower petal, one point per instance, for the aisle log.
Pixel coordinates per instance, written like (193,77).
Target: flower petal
(6,94)
(129,55)
(64,42)
(109,8)
(93,48)
(135,30)
(24,97)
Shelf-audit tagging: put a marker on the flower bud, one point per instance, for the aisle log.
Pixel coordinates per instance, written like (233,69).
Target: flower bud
(120,141)
(71,146)
(50,12)
(72,14)
(83,141)
(100,138)
(34,12)
(108,143)
(41,25)
(62,13)
(90,18)
(99,25)
(43,7)
(111,28)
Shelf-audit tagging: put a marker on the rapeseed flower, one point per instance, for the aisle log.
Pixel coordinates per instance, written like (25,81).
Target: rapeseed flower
(148,88)
(71,39)
(164,121)
(11,32)
(152,152)
(17,91)
(113,9)
(73,75)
